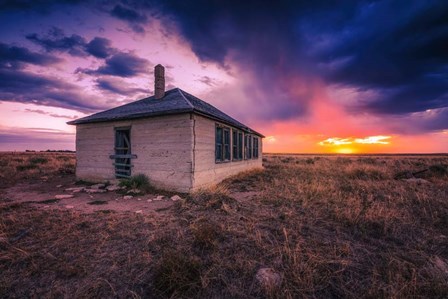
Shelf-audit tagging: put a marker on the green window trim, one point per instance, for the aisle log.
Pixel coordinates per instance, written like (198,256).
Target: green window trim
(222,144)
(237,145)
(255,148)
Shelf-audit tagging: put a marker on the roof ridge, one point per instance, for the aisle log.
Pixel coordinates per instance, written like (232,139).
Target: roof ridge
(185,98)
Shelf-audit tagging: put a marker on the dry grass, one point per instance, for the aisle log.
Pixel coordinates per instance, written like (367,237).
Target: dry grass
(17,166)
(331,226)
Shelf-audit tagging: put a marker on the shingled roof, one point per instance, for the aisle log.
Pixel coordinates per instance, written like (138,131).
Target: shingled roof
(175,101)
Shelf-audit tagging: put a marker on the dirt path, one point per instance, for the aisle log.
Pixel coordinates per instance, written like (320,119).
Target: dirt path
(43,194)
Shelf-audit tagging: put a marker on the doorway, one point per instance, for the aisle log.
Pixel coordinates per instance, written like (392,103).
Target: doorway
(123,155)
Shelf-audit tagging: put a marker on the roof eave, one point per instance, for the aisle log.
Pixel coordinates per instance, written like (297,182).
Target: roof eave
(245,128)
(137,116)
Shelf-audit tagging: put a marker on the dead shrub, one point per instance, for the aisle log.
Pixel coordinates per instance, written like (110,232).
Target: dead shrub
(439,169)
(38,160)
(206,233)
(368,160)
(309,161)
(213,198)
(26,167)
(287,160)
(343,160)
(366,174)
(177,274)
(67,169)
(63,158)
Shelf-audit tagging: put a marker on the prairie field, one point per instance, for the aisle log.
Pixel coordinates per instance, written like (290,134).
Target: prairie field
(327,226)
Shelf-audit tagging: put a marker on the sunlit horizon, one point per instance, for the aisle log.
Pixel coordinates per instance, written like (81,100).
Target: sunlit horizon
(334,95)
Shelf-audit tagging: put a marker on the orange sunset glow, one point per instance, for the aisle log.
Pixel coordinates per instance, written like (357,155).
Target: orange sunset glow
(334,95)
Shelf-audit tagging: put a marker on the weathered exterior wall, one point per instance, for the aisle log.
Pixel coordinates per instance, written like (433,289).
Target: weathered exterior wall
(94,145)
(163,146)
(206,171)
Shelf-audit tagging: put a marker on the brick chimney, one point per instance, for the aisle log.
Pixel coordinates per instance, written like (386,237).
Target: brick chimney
(159,81)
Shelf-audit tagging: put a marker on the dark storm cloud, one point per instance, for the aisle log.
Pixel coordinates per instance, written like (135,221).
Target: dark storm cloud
(130,16)
(396,49)
(118,86)
(121,65)
(26,87)
(404,58)
(57,41)
(15,57)
(100,47)
(264,39)
(42,6)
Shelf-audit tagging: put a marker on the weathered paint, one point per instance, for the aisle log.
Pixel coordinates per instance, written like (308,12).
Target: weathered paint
(163,146)
(176,152)
(206,171)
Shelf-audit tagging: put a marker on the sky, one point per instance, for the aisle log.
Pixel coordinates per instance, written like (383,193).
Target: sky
(312,76)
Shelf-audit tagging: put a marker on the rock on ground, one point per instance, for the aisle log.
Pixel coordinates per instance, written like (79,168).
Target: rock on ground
(159,197)
(95,190)
(63,196)
(128,197)
(175,198)
(268,278)
(98,186)
(75,189)
(134,191)
(113,188)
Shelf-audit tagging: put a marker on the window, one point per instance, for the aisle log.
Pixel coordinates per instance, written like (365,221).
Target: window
(226,144)
(240,145)
(222,144)
(247,146)
(255,148)
(237,145)
(218,144)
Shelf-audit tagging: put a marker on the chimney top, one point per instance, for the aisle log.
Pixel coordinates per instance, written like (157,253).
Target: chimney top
(159,81)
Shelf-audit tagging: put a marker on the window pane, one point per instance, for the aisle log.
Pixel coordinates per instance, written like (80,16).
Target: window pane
(218,144)
(240,145)
(226,144)
(235,144)
(248,146)
(255,150)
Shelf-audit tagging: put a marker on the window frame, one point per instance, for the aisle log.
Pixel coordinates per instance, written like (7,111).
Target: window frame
(237,145)
(255,149)
(223,149)
(247,146)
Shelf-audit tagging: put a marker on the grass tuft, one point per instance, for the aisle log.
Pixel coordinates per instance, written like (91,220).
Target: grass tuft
(139,181)
(206,233)
(38,160)
(177,274)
